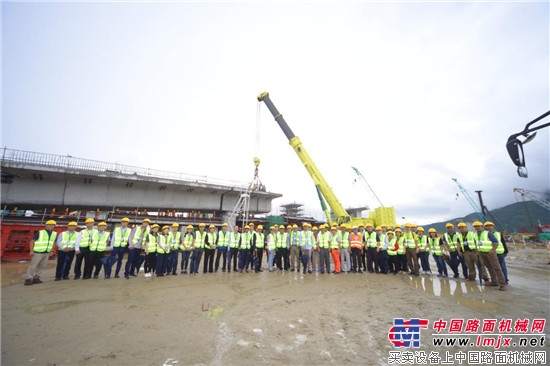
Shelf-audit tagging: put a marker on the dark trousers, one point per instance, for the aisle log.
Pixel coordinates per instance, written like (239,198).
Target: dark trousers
(118,252)
(412,260)
(372,258)
(208,260)
(95,264)
(286,258)
(150,262)
(402,261)
(279,258)
(232,255)
(244,258)
(364,259)
(196,260)
(502,262)
(64,261)
(83,255)
(393,266)
(356,259)
(162,263)
(383,261)
(425,261)
(132,262)
(221,253)
(441,267)
(185,255)
(172,262)
(259,258)
(324,260)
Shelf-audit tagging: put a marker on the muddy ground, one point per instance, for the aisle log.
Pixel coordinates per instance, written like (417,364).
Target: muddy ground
(240,319)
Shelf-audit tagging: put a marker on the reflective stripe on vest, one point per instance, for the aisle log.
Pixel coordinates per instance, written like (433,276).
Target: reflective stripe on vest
(323,240)
(187,242)
(469,242)
(68,239)
(391,247)
(423,242)
(409,240)
(500,247)
(483,243)
(152,243)
(370,239)
(211,240)
(272,242)
(434,245)
(234,240)
(355,241)
(452,241)
(199,239)
(334,241)
(344,240)
(100,244)
(86,239)
(401,243)
(162,244)
(121,240)
(174,238)
(139,234)
(281,240)
(307,239)
(260,240)
(223,239)
(45,242)
(245,240)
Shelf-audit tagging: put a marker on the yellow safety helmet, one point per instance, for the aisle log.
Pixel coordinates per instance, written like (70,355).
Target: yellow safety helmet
(461,224)
(274,227)
(289,227)
(175,224)
(246,227)
(251,224)
(304,224)
(51,222)
(413,225)
(295,226)
(449,225)
(378,228)
(225,224)
(390,232)
(398,230)
(125,219)
(488,223)
(477,223)
(165,227)
(342,226)
(260,227)
(407,225)
(72,223)
(189,227)
(282,226)
(211,226)
(102,223)
(315,228)
(432,230)
(89,221)
(420,229)
(202,224)
(155,226)
(147,220)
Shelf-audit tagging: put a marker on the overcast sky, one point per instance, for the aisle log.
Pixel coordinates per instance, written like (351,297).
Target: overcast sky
(413,94)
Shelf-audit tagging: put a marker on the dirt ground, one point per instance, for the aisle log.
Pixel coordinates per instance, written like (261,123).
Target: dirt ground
(280,318)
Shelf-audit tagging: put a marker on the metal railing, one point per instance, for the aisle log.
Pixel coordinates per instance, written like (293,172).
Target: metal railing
(68,162)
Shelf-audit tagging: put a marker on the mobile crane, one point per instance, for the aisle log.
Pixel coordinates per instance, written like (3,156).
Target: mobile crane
(325,193)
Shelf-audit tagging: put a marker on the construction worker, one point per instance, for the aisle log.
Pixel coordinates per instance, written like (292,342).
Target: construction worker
(271,247)
(174,239)
(450,240)
(345,250)
(423,251)
(435,248)
(65,251)
(198,249)
(401,250)
(222,242)
(502,249)
(314,260)
(286,252)
(82,246)
(372,242)
(119,241)
(244,249)
(356,244)
(41,247)
(362,231)
(323,242)
(97,251)
(411,251)
(307,241)
(209,250)
(467,249)
(136,241)
(252,232)
(281,248)
(234,243)
(259,244)
(186,248)
(334,240)
(382,250)
(150,246)
(163,251)
(294,248)
(487,245)
(392,252)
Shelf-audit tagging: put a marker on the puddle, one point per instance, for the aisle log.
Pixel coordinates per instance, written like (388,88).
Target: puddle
(52,307)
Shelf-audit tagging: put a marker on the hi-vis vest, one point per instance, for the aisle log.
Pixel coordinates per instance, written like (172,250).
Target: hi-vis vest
(68,239)
(500,247)
(162,244)
(45,242)
(423,243)
(86,239)
(483,243)
(452,241)
(245,240)
(139,234)
(383,239)
(391,247)
(199,239)
(152,240)
(271,241)
(211,240)
(281,240)
(174,238)
(370,239)
(120,239)
(469,241)
(409,240)
(234,240)
(355,241)
(223,239)
(260,240)
(322,239)
(294,238)
(344,240)
(334,240)
(187,242)
(307,238)
(434,245)
(401,244)
(101,244)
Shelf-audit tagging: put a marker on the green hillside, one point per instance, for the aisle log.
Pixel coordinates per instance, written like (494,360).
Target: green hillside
(513,217)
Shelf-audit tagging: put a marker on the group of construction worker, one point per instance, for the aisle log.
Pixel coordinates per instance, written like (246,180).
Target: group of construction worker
(356,249)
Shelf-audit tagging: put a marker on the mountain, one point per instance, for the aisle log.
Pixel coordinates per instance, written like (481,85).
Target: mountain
(513,217)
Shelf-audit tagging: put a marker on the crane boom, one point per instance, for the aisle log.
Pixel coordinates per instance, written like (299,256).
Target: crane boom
(470,200)
(323,189)
(540,201)
(368,185)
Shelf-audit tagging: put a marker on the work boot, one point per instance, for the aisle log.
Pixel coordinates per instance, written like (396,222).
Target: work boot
(502,288)
(28,282)
(36,280)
